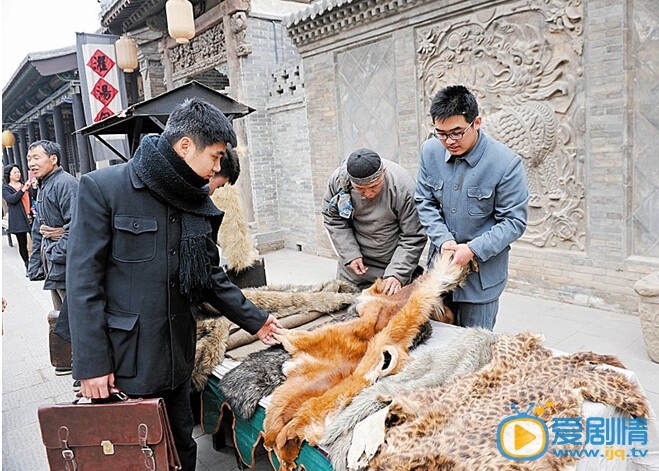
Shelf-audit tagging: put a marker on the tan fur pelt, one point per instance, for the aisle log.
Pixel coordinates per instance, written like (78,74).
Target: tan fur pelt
(297,303)
(332,364)
(212,336)
(285,300)
(234,236)
(455,427)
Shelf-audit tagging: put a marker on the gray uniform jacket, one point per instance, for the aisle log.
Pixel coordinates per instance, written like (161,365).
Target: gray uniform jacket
(55,201)
(480,198)
(384,231)
(126,312)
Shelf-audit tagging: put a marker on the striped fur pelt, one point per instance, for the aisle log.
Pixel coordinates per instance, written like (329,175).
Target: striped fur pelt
(466,354)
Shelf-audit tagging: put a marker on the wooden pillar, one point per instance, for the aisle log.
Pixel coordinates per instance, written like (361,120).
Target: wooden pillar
(58,124)
(15,152)
(12,152)
(43,127)
(20,154)
(5,156)
(235,72)
(31,134)
(81,141)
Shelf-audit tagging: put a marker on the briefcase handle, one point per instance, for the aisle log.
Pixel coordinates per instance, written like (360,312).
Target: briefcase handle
(116,394)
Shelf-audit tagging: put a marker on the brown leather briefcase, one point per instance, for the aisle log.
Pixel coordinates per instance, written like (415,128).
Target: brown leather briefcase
(132,434)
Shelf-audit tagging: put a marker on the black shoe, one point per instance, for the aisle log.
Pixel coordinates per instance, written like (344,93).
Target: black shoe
(76,385)
(62,370)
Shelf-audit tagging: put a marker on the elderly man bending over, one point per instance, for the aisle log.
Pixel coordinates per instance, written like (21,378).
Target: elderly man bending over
(372,222)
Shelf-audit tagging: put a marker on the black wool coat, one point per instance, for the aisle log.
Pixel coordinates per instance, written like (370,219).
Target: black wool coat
(126,312)
(16,219)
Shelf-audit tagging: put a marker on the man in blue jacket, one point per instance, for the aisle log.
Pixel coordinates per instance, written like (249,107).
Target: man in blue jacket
(141,253)
(472,200)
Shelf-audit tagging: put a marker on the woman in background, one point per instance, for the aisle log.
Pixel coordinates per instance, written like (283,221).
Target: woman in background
(18,198)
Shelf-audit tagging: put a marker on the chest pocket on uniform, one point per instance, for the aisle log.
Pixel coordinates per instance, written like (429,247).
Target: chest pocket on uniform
(437,186)
(480,200)
(134,238)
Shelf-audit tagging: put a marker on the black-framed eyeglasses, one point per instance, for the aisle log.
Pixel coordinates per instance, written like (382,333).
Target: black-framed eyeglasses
(455,135)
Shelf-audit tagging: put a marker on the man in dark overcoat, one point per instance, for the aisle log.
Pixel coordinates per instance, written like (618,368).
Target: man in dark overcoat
(142,252)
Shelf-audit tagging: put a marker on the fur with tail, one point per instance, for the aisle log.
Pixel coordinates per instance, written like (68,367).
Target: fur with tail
(330,366)
(468,353)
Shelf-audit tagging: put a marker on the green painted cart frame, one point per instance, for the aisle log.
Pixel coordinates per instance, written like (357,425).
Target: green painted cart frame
(248,434)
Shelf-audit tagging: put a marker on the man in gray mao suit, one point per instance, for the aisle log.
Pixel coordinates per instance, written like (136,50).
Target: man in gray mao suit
(472,200)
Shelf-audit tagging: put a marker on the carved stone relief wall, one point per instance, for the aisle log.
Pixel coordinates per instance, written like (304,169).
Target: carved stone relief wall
(645,202)
(366,79)
(522,60)
(203,52)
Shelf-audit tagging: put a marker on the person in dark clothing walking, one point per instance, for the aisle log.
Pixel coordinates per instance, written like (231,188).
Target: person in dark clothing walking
(18,196)
(142,254)
(55,198)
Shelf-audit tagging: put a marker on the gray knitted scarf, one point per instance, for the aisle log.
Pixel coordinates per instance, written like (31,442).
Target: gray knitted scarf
(173,182)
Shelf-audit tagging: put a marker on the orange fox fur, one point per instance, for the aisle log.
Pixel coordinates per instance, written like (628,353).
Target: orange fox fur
(330,365)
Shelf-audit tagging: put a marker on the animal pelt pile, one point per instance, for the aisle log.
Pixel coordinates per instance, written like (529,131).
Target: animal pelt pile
(469,352)
(261,372)
(454,427)
(331,365)
(292,304)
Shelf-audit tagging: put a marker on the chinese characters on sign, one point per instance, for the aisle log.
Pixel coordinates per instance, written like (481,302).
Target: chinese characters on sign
(103,91)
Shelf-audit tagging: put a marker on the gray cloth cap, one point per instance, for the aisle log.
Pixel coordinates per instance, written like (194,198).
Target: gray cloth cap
(364,166)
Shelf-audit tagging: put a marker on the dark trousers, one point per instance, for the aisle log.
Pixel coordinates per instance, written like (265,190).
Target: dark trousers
(22,246)
(179,411)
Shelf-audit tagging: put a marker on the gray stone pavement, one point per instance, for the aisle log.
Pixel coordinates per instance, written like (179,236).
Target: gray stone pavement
(28,380)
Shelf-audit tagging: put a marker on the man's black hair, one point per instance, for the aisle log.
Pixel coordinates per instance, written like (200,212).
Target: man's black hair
(203,122)
(452,101)
(230,166)
(49,147)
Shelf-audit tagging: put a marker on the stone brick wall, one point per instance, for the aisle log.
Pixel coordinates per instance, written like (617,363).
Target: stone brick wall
(320,91)
(286,107)
(604,275)
(595,226)
(271,48)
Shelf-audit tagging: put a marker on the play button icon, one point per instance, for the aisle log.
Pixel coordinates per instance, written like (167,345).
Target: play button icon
(522,437)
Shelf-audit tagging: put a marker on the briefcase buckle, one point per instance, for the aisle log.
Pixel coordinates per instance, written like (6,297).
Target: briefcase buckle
(108,447)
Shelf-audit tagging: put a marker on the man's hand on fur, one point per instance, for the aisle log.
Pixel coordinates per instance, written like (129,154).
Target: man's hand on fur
(97,388)
(357,265)
(391,285)
(462,254)
(271,326)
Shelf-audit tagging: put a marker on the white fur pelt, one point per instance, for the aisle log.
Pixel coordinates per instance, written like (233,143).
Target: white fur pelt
(234,236)
(468,353)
